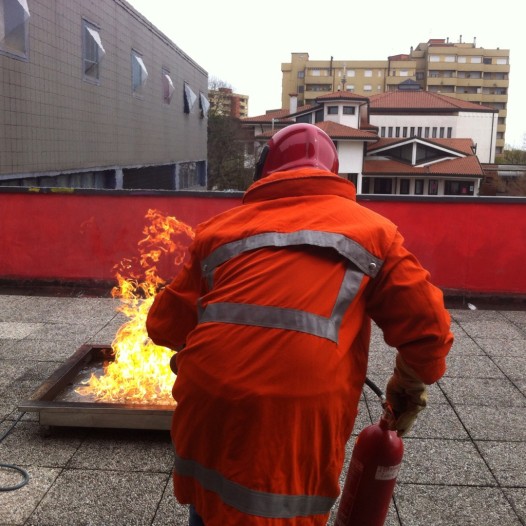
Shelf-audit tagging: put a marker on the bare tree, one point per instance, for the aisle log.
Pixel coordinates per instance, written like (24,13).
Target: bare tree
(511,156)
(226,150)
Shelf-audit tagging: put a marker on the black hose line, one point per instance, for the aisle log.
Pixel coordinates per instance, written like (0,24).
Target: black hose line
(22,471)
(377,391)
(22,483)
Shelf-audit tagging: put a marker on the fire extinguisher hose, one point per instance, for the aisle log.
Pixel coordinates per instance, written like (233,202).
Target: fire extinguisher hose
(377,391)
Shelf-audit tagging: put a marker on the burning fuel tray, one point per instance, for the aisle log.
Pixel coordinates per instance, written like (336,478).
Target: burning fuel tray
(53,399)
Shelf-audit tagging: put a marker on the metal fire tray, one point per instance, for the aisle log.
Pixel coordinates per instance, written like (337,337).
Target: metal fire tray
(50,400)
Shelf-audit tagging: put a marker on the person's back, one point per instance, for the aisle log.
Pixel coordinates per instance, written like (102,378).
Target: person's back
(273,310)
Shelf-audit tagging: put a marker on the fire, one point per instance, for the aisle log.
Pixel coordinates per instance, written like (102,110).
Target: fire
(139,371)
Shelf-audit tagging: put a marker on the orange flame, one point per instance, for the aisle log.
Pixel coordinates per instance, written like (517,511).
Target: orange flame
(140,371)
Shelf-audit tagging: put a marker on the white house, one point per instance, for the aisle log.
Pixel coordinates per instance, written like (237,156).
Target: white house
(411,165)
(399,114)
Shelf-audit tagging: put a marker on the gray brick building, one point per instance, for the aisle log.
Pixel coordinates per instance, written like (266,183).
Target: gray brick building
(92,95)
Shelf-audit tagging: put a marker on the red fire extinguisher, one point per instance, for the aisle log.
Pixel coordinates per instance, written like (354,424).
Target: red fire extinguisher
(371,478)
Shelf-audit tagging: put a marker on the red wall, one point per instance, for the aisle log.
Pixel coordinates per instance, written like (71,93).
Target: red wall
(470,245)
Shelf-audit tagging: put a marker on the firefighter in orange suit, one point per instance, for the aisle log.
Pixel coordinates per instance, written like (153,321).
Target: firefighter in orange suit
(272,312)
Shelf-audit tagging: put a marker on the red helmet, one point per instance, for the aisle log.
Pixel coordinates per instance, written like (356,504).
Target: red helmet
(296,146)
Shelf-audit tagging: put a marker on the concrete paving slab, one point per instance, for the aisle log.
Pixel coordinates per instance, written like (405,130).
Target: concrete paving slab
(5,410)
(125,450)
(493,423)
(516,316)
(101,498)
(107,333)
(11,307)
(498,347)
(17,506)
(477,366)
(482,391)
(390,520)
(17,330)
(503,330)
(381,362)
(57,351)
(170,511)
(76,333)
(420,505)
(10,371)
(5,344)
(439,421)
(52,308)
(464,345)
(29,445)
(517,498)
(451,462)
(466,314)
(30,377)
(507,461)
(514,367)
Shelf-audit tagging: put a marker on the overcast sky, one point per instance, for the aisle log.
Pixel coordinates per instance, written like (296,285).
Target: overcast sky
(243,43)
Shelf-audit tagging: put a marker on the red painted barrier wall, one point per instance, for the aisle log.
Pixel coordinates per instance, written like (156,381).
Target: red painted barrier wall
(469,245)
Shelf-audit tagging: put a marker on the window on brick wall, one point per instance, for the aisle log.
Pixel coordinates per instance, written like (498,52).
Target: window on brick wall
(92,51)
(189,98)
(168,86)
(139,73)
(204,105)
(14,22)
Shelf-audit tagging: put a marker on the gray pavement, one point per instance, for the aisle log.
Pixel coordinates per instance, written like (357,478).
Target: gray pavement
(464,462)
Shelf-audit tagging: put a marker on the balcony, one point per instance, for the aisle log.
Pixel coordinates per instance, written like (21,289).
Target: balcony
(321,79)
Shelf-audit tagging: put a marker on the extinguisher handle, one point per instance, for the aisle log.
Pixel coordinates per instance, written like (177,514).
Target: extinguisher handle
(388,415)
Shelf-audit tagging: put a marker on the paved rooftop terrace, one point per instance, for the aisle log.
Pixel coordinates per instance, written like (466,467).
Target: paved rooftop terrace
(464,462)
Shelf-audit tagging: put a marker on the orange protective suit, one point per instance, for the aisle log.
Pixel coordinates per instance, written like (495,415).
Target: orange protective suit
(274,308)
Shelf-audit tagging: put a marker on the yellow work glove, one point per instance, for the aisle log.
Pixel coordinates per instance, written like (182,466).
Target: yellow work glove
(406,395)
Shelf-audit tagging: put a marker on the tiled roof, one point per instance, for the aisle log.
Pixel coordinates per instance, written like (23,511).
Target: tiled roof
(421,100)
(338,131)
(462,166)
(341,95)
(267,117)
(333,130)
(285,112)
(463,146)
(400,57)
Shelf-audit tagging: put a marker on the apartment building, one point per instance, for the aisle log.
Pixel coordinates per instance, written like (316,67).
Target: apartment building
(457,69)
(223,101)
(92,95)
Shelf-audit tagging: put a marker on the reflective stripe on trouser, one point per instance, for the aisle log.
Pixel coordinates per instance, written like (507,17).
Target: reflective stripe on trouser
(252,502)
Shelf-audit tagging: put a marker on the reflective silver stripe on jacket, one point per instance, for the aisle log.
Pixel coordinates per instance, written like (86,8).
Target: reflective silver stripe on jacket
(252,502)
(290,319)
(348,248)
(285,318)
